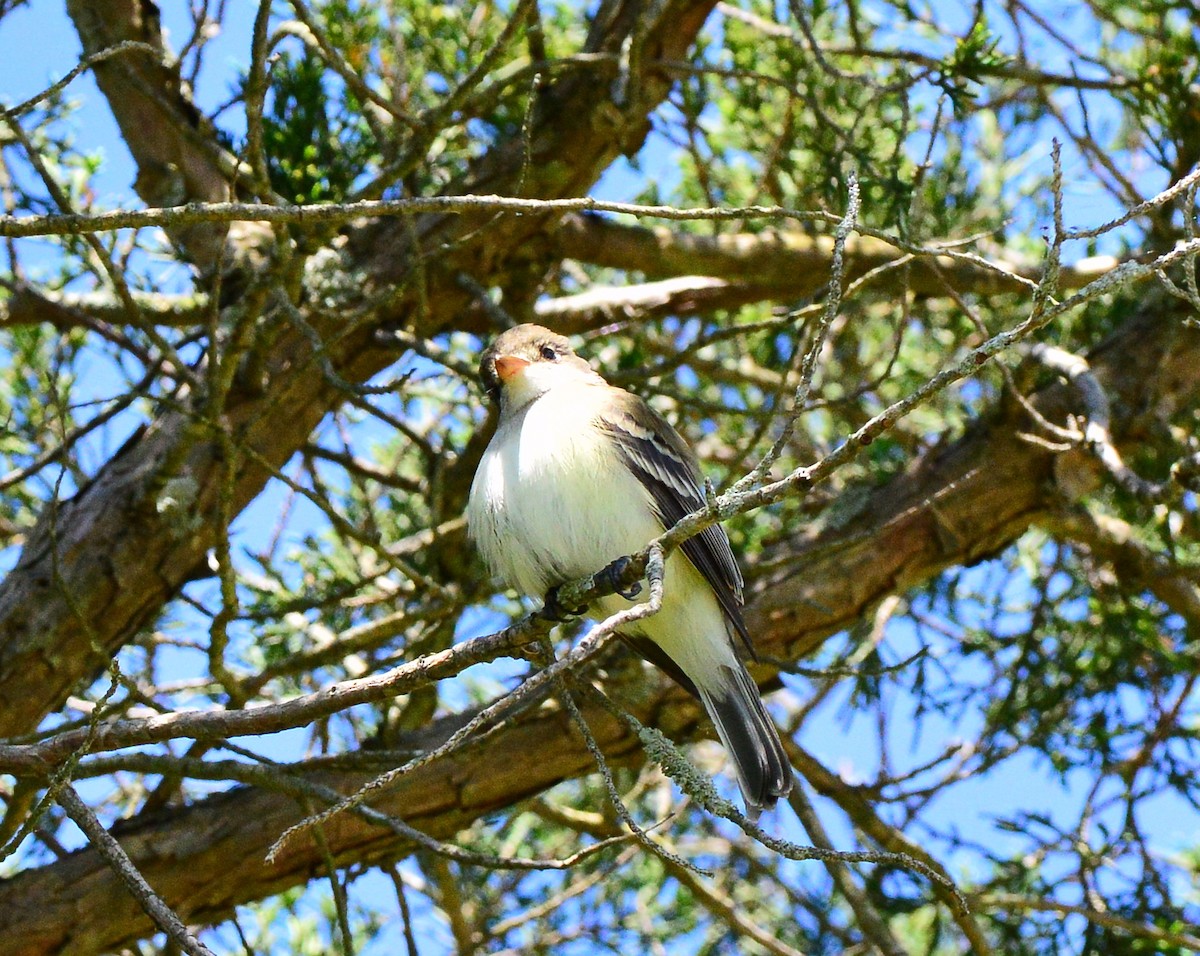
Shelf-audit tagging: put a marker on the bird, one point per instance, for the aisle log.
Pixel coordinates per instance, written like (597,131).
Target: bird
(580,473)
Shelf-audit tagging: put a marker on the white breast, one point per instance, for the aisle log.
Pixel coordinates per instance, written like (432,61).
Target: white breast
(552,500)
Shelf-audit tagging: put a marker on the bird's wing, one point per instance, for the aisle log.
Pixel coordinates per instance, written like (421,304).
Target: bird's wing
(653,451)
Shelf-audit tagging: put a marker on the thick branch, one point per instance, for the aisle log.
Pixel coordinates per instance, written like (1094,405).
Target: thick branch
(967,500)
(178,157)
(958,504)
(100,567)
(790,265)
(207,858)
(71,310)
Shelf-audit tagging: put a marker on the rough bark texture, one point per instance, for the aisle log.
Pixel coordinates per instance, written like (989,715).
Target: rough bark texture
(788,264)
(954,506)
(971,498)
(176,153)
(209,857)
(100,567)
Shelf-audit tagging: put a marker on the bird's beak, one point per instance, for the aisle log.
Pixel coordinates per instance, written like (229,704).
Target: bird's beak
(507,366)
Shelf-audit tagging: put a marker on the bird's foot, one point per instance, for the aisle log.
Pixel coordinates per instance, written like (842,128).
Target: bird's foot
(555,610)
(611,576)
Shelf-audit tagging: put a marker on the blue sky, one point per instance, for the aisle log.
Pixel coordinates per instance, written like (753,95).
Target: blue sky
(845,743)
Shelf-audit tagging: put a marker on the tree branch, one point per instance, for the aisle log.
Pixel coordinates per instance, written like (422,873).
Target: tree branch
(792,265)
(207,858)
(152,511)
(121,865)
(178,157)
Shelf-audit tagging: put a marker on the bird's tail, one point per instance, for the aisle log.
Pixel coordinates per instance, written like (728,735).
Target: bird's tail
(749,735)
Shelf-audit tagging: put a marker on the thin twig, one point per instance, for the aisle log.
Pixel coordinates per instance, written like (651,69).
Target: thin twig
(532,689)
(614,795)
(808,366)
(116,857)
(117,49)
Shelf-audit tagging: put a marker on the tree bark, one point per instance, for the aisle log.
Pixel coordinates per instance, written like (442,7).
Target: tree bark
(177,154)
(956,505)
(790,264)
(99,568)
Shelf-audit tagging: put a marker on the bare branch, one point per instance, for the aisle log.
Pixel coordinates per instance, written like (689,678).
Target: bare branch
(930,514)
(110,849)
(795,265)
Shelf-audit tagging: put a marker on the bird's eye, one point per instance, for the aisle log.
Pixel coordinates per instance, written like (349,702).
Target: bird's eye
(548,353)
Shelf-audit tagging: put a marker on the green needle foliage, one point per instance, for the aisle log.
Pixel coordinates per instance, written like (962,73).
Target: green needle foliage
(236,447)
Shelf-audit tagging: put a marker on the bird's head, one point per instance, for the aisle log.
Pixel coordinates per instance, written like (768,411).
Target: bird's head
(527,361)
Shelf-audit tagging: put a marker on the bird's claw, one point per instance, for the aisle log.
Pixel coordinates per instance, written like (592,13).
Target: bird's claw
(555,610)
(611,577)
